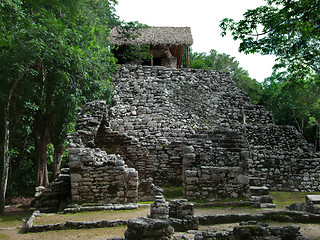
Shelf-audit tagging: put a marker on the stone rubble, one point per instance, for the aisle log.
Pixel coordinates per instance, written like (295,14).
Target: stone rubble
(56,197)
(311,205)
(252,230)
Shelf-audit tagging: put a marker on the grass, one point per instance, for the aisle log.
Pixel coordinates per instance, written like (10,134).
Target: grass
(287,198)
(91,216)
(147,202)
(172,192)
(13,219)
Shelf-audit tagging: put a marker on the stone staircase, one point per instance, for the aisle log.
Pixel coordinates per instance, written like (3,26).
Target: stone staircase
(260,193)
(261,196)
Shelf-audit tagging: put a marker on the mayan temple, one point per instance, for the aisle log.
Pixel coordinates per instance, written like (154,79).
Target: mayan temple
(189,128)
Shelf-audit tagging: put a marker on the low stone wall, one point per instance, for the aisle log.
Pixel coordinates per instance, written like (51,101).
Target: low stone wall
(30,227)
(277,216)
(99,177)
(76,208)
(215,183)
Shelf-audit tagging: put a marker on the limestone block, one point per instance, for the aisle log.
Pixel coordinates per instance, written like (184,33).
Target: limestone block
(75,177)
(243,179)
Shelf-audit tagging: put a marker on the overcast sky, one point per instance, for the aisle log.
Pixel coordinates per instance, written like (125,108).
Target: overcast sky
(203,16)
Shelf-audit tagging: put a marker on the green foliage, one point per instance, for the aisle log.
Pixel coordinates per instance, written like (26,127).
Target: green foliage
(226,63)
(288,29)
(291,31)
(172,192)
(136,54)
(295,101)
(59,52)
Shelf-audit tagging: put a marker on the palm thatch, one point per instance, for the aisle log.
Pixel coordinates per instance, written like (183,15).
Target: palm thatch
(155,36)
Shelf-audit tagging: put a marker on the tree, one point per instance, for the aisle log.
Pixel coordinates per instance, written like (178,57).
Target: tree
(59,51)
(295,101)
(289,29)
(226,63)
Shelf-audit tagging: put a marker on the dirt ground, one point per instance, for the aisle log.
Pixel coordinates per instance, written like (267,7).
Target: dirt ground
(9,227)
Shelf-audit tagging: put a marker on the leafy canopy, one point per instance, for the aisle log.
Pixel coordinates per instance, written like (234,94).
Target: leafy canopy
(58,54)
(289,29)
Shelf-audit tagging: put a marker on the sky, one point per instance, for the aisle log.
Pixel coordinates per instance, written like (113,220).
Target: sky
(203,16)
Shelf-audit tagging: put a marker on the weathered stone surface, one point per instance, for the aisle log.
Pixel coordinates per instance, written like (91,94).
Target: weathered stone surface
(178,113)
(252,230)
(148,229)
(102,178)
(56,197)
(313,199)
(160,208)
(278,216)
(169,124)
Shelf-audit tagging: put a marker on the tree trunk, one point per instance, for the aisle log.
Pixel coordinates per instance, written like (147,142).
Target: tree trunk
(58,151)
(6,154)
(6,160)
(41,159)
(41,143)
(42,133)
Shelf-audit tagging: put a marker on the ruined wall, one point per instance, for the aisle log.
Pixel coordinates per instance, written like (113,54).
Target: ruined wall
(99,177)
(282,159)
(95,175)
(186,127)
(164,110)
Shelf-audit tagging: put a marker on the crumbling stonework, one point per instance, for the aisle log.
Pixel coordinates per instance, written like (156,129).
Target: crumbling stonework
(99,177)
(95,175)
(148,229)
(252,230)
(196,129)
(55,197)
(167,110)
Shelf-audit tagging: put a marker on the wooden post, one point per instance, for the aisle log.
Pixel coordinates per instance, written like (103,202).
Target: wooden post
(187,57)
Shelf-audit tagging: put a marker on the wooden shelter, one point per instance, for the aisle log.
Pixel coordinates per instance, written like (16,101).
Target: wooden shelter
(167,44)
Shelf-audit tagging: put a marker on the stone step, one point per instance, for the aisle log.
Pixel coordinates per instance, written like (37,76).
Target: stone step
(259,190)
(267,205)
(256,181)
(314,199)
(262,199)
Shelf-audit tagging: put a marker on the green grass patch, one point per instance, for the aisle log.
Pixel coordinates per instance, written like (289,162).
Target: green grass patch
(287,198)
(13,219)
(148,202)
(172,192)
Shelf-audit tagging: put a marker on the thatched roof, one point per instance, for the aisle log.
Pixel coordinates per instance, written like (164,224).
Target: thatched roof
(155,36)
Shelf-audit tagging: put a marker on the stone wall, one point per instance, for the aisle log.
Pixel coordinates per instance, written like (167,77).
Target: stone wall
(95,175)
(186,127)
(282,159)
(99,177)
(165,110)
